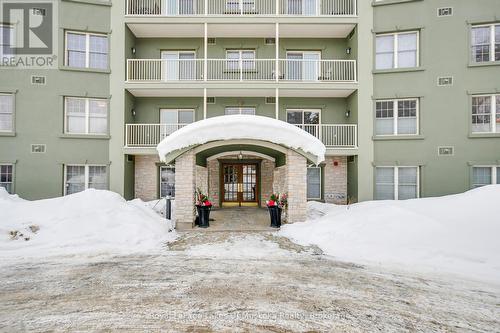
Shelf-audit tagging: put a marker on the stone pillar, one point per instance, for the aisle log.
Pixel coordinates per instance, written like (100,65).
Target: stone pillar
(213,182)
(335,182)
(266,180)
(202,179)
(146,177)
(185,183)
(296,184)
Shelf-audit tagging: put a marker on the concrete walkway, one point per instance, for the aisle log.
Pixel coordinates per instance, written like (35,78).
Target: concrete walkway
(239,219)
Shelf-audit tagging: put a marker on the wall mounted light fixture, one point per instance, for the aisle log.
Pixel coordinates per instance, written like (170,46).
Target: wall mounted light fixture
(348,113)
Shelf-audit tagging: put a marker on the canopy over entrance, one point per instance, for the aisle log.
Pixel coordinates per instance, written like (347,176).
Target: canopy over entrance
(242,127)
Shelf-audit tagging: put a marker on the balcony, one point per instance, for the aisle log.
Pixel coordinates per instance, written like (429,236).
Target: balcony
(194,8)
(333,136)
(192,70)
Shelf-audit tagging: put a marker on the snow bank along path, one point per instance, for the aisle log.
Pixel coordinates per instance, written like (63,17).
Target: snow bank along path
(242,127)
(454,234)
(90,221)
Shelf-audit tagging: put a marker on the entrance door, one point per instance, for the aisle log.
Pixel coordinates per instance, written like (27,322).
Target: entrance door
(303,65)
(239,182)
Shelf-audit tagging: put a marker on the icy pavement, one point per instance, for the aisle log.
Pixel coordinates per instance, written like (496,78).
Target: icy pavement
(235,282)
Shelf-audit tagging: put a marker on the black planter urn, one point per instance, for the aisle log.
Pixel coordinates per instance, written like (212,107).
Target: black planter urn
(275,214)
(204,216)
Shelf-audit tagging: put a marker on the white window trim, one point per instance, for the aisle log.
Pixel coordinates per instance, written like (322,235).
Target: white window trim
(12,183)
(168,166)
(12,43)
(86,174)
(13,96)
(87,115)
(87,47)
(395,48)
(493,113)
(492,41)
(320,183)
(240,59)
(493,174)
(396,178)
(396,117)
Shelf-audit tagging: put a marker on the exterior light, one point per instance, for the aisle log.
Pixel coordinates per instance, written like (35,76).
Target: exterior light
(240,156)
(133,50)
(348,113)
(348,50)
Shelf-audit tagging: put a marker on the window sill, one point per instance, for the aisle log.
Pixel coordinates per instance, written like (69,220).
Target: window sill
(483,135)
(397,137)
(85,136)
(7,133)
(484,64)
(398,70)
(391,2)
(92,2)
(88,70)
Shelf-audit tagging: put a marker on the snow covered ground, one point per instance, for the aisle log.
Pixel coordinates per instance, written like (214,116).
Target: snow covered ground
(456,234)
(92,221)
(207,282)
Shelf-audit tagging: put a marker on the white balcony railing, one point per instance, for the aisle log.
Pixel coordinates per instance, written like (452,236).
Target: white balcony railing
(241,7)
(166,70)
(342,136)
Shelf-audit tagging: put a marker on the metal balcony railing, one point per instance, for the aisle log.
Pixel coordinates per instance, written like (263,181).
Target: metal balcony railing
(329,8)
(342,136)
(300,70)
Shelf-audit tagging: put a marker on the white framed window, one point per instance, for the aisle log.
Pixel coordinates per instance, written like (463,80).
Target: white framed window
(396,117)
(313,183)
(485,175)
(486,114)
(232,110)
(397,50)
(240,59)
(397,182)
(167,181)
(238,6)
(173,119)
(304,66)
(307,119)
(7,40)
(86,50)
(6,112)
(485,42)
(7,177)
(80,177)
(85,116)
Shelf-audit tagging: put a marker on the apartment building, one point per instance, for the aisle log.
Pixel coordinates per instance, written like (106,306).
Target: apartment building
(404,95)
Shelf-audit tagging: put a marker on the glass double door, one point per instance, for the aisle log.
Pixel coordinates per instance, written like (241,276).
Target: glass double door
(239,184)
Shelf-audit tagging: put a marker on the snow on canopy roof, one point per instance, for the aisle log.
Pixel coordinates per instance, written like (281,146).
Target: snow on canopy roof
(234,127)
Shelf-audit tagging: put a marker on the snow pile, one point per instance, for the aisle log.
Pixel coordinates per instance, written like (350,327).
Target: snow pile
(92,221)
(455,234)
(242,127)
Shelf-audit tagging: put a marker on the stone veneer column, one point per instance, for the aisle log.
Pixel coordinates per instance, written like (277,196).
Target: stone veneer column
(213,182)
(185,182)
(296,184)
(335,180)
(146,177)
(202,179)
(266,180)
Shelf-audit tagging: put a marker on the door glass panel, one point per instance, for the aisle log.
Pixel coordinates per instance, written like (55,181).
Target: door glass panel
(169,120)
(187,66)
(98,178)
(294,7)
(249,182)
(186,116)
(294,66)
(171,65)
(481,176)
(407,183)
(311,66)
(294,117)
(230,183)
(186,7)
